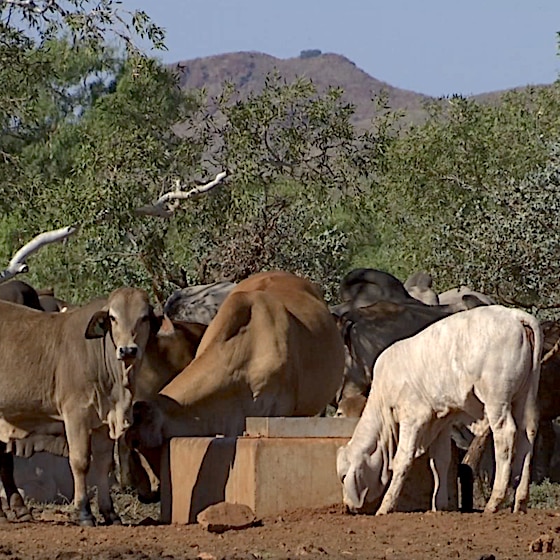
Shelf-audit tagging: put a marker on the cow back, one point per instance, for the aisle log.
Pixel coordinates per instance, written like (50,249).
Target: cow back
(21,293)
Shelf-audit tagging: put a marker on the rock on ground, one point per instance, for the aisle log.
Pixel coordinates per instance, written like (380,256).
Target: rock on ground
(225,516)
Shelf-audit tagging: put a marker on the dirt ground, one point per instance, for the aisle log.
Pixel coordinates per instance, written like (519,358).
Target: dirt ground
(307,534)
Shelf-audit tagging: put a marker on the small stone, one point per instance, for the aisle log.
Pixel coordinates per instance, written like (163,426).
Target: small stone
(225,516)
(543,543)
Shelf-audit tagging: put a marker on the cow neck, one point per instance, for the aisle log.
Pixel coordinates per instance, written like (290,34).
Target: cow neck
(109,389)
(376,431)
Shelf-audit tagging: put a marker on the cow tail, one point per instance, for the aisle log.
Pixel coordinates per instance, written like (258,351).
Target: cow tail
(535,338)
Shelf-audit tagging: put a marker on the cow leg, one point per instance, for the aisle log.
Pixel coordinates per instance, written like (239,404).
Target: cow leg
(543,451)
(124,469)
(79,452)
(503,429)
(13,497)
(143,478)
(402,463)
(440,459)
(102,452)
(521,473)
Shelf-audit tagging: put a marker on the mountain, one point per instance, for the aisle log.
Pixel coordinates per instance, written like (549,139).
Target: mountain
(248,70)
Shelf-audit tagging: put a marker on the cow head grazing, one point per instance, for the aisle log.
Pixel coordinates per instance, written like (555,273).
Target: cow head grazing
(364,478)
(147,428)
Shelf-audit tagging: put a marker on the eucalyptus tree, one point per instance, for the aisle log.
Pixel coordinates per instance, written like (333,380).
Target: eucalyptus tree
(443,197)
(290,152)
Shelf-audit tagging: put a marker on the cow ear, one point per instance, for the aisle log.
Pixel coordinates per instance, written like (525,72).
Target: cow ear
(166,326)
(98,325)
(155,321)
(471,301)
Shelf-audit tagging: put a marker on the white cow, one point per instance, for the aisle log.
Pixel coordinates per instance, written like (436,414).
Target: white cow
(480,362)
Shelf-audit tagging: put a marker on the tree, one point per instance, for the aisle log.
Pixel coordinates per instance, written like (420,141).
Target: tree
(55,63)
(512,246)
(290,153)
(444,180)
(95,171)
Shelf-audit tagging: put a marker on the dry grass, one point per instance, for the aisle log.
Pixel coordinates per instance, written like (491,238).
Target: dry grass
(127,505)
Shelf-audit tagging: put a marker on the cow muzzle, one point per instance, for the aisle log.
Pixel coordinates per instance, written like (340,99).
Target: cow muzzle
(127,354)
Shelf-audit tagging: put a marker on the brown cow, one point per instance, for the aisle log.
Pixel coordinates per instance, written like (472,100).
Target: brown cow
(167,354)
(73,374)
(273,349)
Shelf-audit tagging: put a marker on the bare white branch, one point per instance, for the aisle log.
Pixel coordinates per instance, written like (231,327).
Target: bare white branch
(30,5)
(551,353)
(169,202)
(18,265)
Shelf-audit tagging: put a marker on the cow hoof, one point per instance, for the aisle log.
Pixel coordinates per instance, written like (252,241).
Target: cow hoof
(112,519)
(24,516)
(87,522)
(21,511)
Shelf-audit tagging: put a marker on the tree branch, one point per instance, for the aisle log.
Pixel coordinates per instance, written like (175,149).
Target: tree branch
(550,354)
(511,301)
(169,202)
(18,265)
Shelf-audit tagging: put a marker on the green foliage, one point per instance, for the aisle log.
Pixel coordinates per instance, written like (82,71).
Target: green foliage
(509,245)
(96,171)
(310,53)
(545,495)
(444,196)
(89,133)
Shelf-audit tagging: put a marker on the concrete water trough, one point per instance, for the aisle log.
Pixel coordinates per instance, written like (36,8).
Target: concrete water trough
(279,464)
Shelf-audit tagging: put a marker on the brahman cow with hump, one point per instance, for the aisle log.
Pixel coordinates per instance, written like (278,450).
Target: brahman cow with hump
(197,304)
(376,312)
(273,349)
(485,361)
(71,374)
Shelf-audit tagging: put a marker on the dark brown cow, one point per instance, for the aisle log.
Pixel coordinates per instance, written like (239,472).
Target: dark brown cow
(548,401)
(376,312)
(21,293)
(73,374)
(50,303)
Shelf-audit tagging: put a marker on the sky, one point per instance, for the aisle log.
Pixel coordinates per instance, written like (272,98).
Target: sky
(435,47)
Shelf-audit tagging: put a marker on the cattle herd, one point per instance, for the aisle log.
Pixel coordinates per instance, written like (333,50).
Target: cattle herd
(418,368)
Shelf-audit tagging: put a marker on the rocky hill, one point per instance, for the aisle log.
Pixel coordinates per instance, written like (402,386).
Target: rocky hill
(248,70)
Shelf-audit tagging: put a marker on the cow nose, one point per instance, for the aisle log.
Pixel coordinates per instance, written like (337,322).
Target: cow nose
(125,352)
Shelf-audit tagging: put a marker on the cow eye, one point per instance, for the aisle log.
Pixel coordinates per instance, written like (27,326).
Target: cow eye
(145,318)
(112,318)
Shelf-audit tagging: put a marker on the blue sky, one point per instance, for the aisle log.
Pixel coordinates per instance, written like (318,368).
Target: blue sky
(436,47)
